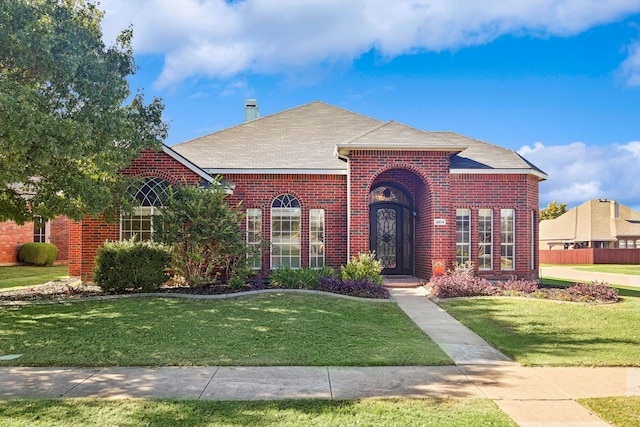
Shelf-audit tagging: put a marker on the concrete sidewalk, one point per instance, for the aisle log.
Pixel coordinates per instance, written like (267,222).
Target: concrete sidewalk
(532,397)
(571,273)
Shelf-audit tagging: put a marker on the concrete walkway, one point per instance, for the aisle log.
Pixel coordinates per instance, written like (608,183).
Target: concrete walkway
(532,397)
(571,273)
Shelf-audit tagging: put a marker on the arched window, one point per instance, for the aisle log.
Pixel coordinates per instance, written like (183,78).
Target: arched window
(285,232)
(149,196)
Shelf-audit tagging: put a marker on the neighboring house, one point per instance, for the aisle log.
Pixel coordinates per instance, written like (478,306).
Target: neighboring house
(597,223)
(320,184)
(13,236)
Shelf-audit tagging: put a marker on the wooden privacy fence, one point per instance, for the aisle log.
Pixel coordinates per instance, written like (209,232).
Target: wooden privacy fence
(590,256)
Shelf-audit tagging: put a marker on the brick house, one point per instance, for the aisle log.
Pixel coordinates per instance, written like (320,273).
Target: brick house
(321,184)
(13,236)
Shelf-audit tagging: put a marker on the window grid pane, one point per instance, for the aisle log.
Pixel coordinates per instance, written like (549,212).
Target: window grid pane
(316,238)
(507,244)
(139,225)
(463,236)
(285,232)
(254,238)
(485,238)
(39,230)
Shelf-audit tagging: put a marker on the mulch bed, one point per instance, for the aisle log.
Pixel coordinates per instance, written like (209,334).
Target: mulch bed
(73,289)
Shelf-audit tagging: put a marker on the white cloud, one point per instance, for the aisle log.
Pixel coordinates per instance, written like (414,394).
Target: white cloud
(214,38)
(578,172)
(630,68)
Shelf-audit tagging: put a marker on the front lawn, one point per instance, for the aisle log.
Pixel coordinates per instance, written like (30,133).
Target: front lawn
(28,275)
(611,268)
(294,413)
(260,330)
(537,332)
(620,411)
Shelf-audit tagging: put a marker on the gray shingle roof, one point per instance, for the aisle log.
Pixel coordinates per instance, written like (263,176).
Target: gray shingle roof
(594,220)
(306,138)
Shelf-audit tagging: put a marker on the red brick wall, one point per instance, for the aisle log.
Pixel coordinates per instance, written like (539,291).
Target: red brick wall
(59,236)
(426,176)
(89,234)
(502,191)
(326,192)
(12,236)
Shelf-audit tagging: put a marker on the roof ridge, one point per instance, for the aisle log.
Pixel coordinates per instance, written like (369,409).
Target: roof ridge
(274,115)
(367,132)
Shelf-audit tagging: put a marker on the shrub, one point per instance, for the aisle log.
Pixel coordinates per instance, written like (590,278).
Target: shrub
(518,285)
(461,283)
(303,278)
(356,288)
(594,291)
(363,267)
(205,234)
(38,253)
(131,266)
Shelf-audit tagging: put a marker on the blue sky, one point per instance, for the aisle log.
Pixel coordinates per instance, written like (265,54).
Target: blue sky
(556,80)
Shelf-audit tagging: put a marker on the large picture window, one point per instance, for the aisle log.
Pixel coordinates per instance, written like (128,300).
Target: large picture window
(507,244)
(463,237)
(254,238)
(149,196)
(485,239)
(285,232)
(316,238)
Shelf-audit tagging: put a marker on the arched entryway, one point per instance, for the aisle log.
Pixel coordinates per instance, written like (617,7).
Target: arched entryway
(391,228)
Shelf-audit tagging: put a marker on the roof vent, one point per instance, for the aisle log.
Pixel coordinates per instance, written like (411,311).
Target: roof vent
(251,110)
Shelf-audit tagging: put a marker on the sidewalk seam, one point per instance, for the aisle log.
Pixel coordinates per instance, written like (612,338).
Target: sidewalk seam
(82,382)
(208,382)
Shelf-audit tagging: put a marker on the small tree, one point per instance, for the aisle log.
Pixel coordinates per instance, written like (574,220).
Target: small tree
(204,231)
(553,210)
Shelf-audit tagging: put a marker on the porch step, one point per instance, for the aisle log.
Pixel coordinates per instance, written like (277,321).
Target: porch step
(402,282)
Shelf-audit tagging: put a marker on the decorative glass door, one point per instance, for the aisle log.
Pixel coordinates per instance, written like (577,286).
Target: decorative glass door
(386,236)
(391,229)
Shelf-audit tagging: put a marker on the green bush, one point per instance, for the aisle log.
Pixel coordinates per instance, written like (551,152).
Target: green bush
(131,266)
(38,253)
(363,267)
(205,233)
(303,278)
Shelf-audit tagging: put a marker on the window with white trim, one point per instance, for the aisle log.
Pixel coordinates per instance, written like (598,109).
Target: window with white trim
(316,238)
(39,230)
(463,236)
(622,244)
(149,196)
(254,238)
(485,239)
(507,243)
(285,232)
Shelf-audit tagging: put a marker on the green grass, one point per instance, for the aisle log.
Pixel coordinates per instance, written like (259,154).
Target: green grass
(611,268)
(633,269)
(535,332)
(294,413)
(620,411)
(269,329)
(27,275)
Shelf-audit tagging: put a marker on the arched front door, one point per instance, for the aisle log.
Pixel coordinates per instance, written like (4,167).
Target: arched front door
(391,229)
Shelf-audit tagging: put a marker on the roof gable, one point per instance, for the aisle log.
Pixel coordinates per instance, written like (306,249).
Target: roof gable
(396,136)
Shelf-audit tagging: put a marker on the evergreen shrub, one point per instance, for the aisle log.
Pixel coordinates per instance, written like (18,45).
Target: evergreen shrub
(131,266)
(38,253)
